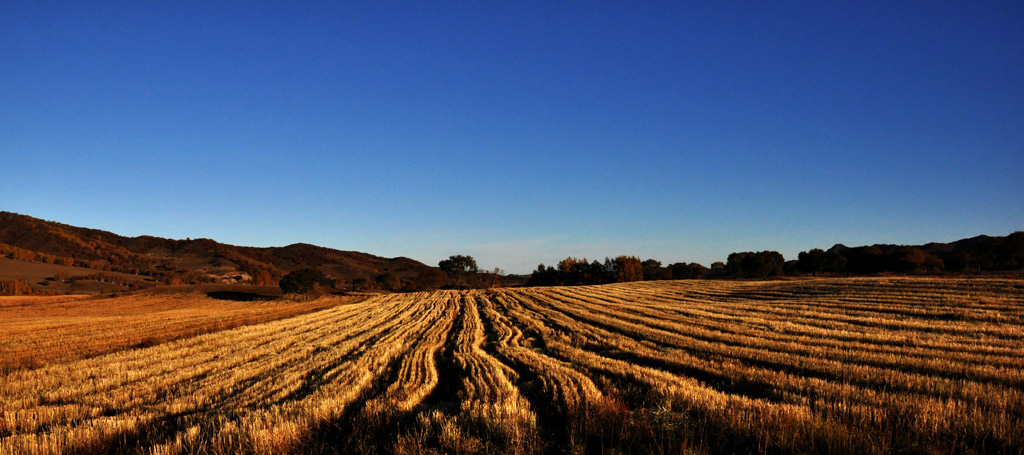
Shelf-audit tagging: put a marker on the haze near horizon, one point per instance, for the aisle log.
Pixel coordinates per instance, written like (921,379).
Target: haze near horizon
(518,134)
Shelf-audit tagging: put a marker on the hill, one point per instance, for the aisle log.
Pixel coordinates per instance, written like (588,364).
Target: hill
(975,254)
(45,254)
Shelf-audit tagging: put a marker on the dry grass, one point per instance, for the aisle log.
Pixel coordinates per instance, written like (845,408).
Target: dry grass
(41,330)
(812,366)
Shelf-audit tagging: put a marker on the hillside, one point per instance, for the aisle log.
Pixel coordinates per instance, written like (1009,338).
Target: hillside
(975,254)
(78,252)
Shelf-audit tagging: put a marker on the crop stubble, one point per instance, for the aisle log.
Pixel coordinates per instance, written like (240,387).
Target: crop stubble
(841,366)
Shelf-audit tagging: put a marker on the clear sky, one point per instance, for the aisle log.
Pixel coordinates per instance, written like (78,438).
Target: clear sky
(518,132)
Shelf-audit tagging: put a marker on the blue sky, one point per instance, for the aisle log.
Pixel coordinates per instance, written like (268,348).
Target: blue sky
(519,133)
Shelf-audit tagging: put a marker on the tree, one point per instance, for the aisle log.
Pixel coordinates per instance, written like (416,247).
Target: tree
(428,279)
(818,261)
(864,260)
(628,268)
(359,284)
(811,261)
(717,270)
(908,259)
(767,263)
(598,272)
(543,276)
(573,271)
(260,276)
(651,269)
(494,277)
(691,271)
(14,287)
(389,281)
(304,281)
(458,266)
(760,264)
(834,262)
(734,264)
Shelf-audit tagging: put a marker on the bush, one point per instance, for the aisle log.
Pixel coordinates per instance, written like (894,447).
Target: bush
(303,281)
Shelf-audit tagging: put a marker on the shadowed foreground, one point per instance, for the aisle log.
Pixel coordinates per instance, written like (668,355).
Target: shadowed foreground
(823,366)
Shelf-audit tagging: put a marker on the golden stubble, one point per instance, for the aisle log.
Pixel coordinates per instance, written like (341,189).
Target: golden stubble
(870,365)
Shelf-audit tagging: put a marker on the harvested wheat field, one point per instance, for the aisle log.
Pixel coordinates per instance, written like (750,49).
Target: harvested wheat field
(852,366)
(39,330)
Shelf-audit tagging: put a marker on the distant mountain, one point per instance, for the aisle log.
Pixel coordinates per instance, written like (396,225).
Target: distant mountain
(190,261)
(981,253)
(938,249)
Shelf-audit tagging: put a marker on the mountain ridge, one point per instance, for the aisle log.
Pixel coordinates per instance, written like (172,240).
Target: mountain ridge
(193,261)
(105,260)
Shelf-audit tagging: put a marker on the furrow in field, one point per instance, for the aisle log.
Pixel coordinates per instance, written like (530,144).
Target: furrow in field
(667,392)
(490,401)
(878,407)
(179,387)
(328,386)
(417,374)
(571,393)
(760,334)
(878,365)
(36,337)
(742,378)
(794,327)
(815,310)
(826,368)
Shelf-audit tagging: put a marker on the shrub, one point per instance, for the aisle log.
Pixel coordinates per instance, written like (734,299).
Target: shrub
(303,281)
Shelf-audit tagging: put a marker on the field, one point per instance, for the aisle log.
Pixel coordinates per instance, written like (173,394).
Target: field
(40,276)
(852,366)
(40,330)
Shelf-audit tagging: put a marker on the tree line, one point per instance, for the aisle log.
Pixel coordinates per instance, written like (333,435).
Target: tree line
(572,271)
(986,254)
(989,254)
